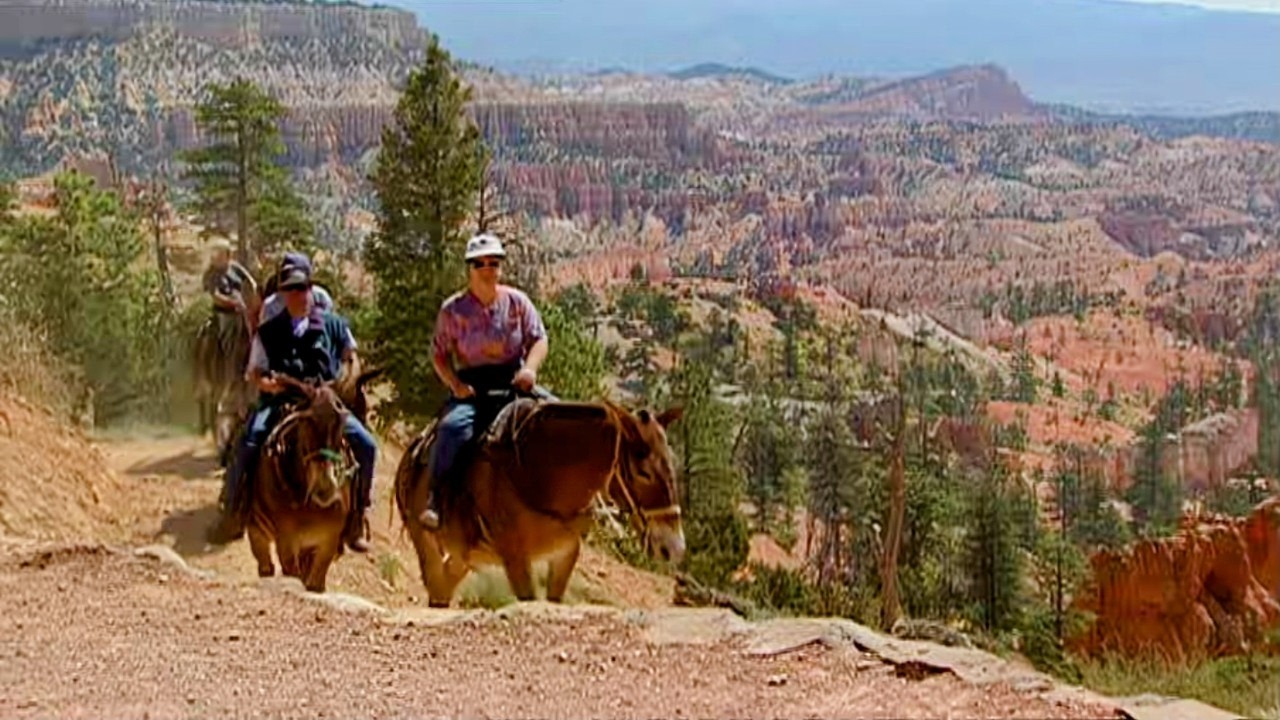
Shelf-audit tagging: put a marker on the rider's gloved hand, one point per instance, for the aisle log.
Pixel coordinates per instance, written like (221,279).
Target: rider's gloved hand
(270,385)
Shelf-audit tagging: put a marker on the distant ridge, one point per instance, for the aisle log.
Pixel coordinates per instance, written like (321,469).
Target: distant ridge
(711,69)
(1255,126)
(1102,54)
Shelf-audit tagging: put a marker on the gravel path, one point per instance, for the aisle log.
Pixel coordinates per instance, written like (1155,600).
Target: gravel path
(90,633)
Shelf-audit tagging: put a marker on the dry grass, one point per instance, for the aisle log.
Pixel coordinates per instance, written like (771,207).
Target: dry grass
(1247,685)
(31,371)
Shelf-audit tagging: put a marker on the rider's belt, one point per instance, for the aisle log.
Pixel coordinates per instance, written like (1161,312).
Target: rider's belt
(489,377)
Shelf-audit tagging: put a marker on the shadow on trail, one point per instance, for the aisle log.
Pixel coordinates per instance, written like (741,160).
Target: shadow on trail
(187,465)
(191,530)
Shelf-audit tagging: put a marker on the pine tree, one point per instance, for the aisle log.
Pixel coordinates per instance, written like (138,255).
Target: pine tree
(841,478)
(427,180)
(237,183)
(575,367)
(1156,495)
(1025,382)
(717,533)
(111,324)
(765,444)
(1002,530)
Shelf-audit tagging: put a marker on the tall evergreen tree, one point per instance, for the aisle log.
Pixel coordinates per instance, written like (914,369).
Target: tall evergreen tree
(1002,529)
(237,183)
(575,366)
(1025,383)
(1155,494)
(766,443)
(81,278)
(427,181)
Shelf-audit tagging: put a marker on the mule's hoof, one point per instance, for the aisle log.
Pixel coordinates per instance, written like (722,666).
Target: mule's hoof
(266,572)
(430,519)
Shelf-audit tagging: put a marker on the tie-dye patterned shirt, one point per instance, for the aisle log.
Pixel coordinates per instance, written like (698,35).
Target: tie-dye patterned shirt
(499,334)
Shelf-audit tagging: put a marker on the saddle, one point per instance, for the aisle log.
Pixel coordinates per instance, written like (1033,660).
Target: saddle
(498,433)
(500,413)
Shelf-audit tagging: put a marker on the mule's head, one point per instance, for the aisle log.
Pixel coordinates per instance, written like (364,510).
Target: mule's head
(647,482)
(319,447)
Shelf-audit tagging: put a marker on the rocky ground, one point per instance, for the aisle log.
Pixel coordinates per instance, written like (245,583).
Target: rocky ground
(88,632)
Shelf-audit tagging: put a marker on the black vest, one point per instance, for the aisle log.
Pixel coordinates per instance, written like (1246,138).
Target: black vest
(316,355)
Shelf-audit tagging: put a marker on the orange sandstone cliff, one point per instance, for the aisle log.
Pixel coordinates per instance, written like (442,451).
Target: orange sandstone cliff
(1212,590)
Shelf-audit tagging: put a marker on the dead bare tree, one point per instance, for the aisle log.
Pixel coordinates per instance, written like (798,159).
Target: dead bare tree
(153,202)
(493,206)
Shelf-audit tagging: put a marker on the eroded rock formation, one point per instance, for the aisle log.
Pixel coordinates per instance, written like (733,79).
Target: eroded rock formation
(1212,590)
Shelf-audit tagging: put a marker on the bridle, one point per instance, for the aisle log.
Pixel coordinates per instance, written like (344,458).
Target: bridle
(646,516)
(276,445)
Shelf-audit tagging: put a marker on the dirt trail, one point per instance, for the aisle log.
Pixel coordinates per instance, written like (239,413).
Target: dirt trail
(88,631)
(85,632)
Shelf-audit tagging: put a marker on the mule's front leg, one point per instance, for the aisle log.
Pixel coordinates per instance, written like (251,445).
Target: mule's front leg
(288,550)
(321,558)
(561,570)
(260,545)
(519,574)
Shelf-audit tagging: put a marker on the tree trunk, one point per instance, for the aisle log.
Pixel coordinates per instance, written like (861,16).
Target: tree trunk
(242,200)
(891,604)
(157,216)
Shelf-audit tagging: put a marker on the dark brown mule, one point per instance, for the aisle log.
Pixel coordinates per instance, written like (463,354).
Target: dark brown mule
(302,491)
(223,393)
(350,389)
(529,493)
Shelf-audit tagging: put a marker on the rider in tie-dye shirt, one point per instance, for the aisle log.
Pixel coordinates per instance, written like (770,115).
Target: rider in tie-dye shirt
(474,334)
(487,336)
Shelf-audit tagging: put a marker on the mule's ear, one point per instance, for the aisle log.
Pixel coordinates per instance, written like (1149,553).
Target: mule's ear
(670,415)
(644,416)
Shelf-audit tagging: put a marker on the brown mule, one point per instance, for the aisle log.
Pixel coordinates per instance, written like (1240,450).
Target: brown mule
(529,493)
(302,491)
(223,393)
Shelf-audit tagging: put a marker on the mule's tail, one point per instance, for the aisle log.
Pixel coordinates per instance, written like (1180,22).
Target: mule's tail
(409,474)
(406,472)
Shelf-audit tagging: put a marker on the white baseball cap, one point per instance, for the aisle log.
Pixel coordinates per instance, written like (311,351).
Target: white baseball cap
(484,246)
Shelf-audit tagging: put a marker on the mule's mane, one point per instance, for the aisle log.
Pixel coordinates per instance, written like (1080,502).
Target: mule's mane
(325,410)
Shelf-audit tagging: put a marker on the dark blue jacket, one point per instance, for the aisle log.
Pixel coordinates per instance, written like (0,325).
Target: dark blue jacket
(316,355)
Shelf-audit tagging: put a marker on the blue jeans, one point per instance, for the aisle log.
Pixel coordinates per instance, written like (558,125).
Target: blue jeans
(457,427)
(363,446)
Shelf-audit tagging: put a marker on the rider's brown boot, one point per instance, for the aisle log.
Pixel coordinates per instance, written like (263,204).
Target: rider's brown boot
(358,539)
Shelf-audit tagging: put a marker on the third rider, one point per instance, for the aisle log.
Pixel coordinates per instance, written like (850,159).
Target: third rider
(487,337)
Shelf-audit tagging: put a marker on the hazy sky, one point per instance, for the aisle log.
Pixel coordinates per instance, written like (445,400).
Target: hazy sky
(1263,5)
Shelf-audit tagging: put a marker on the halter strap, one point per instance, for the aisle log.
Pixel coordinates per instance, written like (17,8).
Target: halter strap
(615,476)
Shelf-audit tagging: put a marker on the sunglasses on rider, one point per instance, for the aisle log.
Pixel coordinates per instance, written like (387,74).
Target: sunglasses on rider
(477,264)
